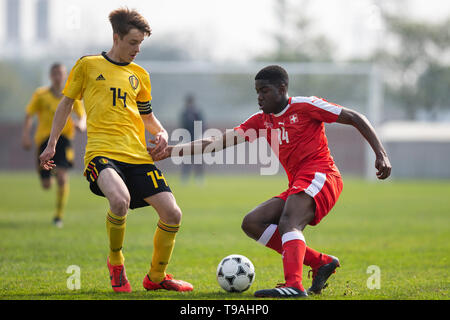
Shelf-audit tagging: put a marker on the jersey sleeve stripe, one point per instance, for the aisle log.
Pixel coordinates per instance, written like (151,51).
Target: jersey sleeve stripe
(324,105)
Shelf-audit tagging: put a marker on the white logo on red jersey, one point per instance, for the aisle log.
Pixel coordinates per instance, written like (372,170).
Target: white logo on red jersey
(293,118)
(268,124)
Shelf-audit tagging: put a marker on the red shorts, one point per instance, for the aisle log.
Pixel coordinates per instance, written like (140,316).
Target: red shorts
(323,188)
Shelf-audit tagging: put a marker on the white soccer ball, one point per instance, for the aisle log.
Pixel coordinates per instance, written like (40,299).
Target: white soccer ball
(235,273)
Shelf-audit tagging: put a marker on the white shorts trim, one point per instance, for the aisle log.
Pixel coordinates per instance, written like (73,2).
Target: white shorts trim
(317,184)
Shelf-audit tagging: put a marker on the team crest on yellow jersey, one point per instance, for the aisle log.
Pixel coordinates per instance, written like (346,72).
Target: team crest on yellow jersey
(134,81)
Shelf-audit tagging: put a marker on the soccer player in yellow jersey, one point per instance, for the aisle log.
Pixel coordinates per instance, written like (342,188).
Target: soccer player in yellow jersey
(117,98)
(43,104)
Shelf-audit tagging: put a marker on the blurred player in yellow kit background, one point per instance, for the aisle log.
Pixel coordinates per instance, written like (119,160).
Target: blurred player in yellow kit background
(43,104)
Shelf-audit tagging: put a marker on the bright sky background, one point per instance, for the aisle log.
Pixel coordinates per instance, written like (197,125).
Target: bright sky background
(232,29)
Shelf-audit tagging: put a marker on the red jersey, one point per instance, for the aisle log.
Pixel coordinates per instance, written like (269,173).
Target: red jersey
(297,134)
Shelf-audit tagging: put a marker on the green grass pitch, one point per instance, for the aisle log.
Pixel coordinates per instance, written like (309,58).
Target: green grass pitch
(402,227)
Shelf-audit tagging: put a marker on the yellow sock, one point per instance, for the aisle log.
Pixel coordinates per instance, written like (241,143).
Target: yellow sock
(163,243)
(62,194)
(115,227)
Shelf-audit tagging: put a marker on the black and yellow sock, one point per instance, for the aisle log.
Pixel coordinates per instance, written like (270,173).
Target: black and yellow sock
(62,194)
(163,243)
(115,227)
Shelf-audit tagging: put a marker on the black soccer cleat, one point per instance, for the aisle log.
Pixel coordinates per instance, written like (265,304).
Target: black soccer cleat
(58,222)
(281,292)
(321,275)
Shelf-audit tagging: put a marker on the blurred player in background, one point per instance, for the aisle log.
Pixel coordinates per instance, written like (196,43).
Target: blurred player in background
(294,128)
(43,104)
(117,97)
(189,115)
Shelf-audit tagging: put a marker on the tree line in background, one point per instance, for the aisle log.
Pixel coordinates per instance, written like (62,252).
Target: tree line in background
(414,55)
(419,65)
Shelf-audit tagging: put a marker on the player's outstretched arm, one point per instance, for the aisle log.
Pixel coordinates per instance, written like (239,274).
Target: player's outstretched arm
(211,144)
(360,122)
(62,113)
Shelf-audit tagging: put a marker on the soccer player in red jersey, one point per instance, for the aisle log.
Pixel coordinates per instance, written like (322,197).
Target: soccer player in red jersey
(294,128)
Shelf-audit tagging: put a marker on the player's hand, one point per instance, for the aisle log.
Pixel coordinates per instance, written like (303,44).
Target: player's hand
(383,165)
(26,142)
(160,142)
(161,155)
(45,158)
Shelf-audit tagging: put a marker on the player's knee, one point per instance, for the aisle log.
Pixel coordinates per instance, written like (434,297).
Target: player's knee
(173,215)
(119,205)
(62,182)
(287,223)
(246,224)
(46,184)
(249,226)
(297,220)
(62,179)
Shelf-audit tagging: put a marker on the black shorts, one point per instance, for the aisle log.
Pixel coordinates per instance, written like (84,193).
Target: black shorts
(63,157)
(142,180)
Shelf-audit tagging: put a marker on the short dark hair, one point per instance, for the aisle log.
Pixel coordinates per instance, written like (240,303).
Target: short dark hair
(56,65)
(274,74)
(124,19)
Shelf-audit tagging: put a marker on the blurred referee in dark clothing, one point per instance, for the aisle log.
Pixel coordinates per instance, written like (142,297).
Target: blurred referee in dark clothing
(189,115)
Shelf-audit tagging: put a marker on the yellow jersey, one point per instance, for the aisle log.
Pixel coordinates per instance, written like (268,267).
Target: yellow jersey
(114,95)
(44,103)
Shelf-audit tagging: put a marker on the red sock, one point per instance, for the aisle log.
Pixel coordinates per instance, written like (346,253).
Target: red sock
(315,259)
(271,238)
(294,248)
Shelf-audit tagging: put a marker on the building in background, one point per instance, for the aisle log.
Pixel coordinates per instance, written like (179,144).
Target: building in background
(13,19)
(42,21)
